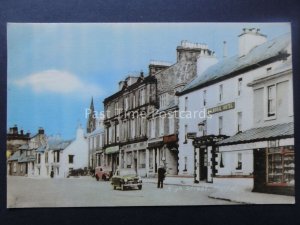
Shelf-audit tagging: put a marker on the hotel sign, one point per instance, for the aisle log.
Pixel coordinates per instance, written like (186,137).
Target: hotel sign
(191,135)
(221,108)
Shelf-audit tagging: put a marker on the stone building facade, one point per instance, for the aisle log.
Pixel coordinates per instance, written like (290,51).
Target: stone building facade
(22,161)
(163,124)
(125,123)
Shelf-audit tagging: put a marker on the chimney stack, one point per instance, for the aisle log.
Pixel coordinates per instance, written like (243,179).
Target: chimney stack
(249,39)
(157,66)
(189,51)
(41,130)
(15,129)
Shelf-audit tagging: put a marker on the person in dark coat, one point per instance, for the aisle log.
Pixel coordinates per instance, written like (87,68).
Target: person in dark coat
(161,176)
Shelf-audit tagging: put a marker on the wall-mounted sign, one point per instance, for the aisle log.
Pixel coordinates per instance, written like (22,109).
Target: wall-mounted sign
(221,108)
(208,140)
(170,138)
(191,135)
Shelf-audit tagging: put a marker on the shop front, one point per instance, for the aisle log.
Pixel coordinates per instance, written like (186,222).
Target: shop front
(155,155)
(112,157)
(274,168)
(170,153)
(133,157)
(273,156)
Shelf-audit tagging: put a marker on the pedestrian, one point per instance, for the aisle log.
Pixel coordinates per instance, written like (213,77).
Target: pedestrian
(161,176)
(52,174)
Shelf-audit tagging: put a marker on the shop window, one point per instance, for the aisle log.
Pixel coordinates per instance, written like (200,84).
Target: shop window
(239,161)
(281,166)
(151,159)
(129,159)
(271,101)
(142,159)
(71,159)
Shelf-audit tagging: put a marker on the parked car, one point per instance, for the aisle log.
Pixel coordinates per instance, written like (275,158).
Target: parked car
(102,173)
(126,179)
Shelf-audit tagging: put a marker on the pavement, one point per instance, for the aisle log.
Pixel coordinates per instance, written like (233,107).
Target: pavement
(238,190)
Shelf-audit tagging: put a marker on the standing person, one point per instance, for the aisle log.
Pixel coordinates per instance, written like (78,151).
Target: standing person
(161,176)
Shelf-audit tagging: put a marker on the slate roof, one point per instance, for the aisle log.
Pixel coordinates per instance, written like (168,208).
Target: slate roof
(97,131)
(234,64)
(42,148)
(25,158)
(277,131)
(58,144)
(15,156)
(24,147)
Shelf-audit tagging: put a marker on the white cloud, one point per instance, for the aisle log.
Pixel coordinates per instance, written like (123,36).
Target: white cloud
(60,82)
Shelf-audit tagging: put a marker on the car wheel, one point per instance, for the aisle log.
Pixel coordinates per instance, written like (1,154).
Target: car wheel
(97,177)
(140,187)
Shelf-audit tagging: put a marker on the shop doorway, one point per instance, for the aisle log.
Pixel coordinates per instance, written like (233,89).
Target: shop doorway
(26,168)
(203,164)
(259,167)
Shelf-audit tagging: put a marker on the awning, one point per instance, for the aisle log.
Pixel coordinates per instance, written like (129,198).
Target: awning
(278,131)
(111,150)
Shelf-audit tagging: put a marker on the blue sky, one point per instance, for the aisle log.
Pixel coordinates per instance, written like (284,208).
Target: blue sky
(55,69)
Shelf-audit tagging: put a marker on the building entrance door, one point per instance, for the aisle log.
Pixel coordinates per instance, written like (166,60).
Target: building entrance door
(155,162)
(259,168)
(135,165)
(26,168)
(203,164)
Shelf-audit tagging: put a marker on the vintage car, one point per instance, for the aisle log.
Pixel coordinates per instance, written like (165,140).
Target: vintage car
(102,173)
(126,179)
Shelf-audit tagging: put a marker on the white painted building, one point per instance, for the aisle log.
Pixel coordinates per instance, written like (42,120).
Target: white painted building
(62,156)
(75,155)
(221,91)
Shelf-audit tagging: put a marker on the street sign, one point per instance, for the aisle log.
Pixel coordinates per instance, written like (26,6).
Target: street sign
(191,135)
